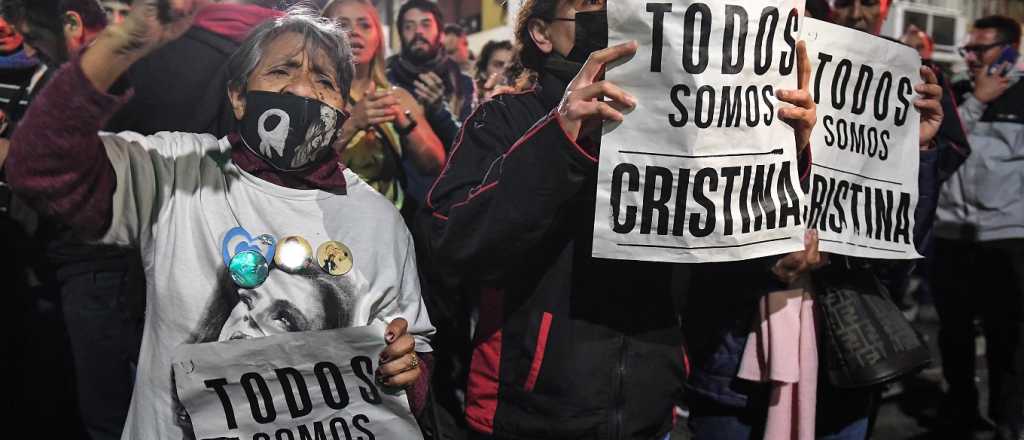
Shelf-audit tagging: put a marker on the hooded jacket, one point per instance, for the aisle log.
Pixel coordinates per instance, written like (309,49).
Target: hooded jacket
(568,346)
(982,200)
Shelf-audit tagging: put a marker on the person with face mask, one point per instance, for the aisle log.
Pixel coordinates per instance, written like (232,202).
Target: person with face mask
(567,345)
(197,206)
(424,69)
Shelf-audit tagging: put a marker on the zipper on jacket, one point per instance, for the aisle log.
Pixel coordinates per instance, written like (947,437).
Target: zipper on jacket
(619,396)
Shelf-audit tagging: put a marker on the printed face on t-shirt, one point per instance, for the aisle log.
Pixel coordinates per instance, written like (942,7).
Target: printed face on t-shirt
(287,303)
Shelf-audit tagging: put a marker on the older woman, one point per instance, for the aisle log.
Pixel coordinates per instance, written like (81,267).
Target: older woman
(198,206)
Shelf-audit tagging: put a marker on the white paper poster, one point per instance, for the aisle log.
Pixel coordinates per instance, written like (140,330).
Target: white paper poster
(863,188)
(309,385)
(703,170)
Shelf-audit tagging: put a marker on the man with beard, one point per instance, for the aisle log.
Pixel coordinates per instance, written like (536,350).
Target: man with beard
(424,69)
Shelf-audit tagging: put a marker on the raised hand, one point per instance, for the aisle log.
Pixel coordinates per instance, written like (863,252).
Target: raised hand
(930,106)
(151,24)
(794,265)
(584,99)
(429,89)
(376,107)
(803,116)
(990,85)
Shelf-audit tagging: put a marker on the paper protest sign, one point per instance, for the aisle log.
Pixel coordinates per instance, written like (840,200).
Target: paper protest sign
(315,385)
(863,189)
(703,169)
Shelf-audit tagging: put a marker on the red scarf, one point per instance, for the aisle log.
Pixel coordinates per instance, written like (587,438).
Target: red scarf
(233,20)
(327,176)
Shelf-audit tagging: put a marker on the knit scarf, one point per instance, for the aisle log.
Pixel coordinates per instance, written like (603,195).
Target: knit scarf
(17,61)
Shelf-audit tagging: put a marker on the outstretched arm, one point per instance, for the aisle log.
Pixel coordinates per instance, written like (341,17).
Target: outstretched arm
(56,159)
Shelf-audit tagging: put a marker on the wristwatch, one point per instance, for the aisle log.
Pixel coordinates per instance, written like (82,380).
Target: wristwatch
(404,131)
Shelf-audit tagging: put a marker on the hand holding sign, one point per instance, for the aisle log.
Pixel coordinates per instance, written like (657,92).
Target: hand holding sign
(399,366)
(803,117)
(930,106)
(582,101)
(794,265)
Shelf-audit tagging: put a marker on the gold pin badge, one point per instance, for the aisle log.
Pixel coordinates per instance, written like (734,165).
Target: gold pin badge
(334,258)
(292,252)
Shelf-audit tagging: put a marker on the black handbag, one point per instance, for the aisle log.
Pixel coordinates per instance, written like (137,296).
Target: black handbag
(867,341)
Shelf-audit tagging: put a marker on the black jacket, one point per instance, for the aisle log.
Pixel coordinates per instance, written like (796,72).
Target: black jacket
(567,346)
(180,87)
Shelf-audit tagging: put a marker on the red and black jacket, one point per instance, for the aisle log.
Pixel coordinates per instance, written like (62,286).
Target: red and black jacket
(567,346)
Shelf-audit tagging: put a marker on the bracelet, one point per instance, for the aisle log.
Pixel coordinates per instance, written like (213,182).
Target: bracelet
(404,131)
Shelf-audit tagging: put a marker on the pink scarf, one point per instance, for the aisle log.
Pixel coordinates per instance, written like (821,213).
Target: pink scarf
(783,349)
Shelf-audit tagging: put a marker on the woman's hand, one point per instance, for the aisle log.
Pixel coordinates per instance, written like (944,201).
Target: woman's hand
(399,365)
(794,265)
(421,145)
(376,107)
(930,105)
(584,100)
(803,116)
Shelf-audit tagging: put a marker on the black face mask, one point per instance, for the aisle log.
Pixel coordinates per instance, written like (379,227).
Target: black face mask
(591,35)
(289,132)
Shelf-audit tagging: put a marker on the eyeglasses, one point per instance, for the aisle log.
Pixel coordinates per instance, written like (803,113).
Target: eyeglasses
(848,3)
(977,49)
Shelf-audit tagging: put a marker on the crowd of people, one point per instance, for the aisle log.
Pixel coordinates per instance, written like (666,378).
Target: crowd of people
(449,196)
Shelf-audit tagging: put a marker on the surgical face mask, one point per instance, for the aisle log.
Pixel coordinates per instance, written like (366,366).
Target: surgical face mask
(591,35)
(289,132)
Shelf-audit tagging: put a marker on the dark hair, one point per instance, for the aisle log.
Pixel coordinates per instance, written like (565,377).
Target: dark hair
(423,5)
(819,9)
(318,33)
(529,55)
(48,14)
(488,51)
(454,29)
(1007,28)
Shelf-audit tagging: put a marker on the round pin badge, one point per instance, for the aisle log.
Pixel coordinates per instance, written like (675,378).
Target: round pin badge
(334,258)
(292,253)
(249,269)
